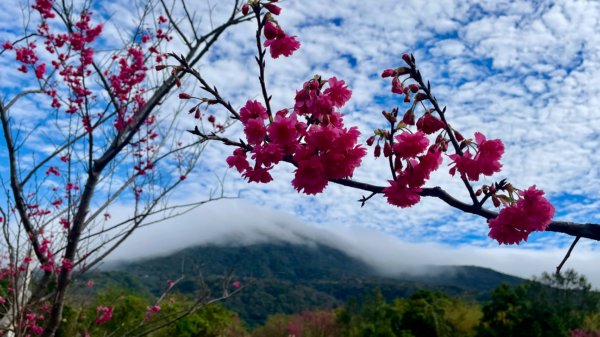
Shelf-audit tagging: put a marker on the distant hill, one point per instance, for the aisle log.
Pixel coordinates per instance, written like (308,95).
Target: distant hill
(288,278)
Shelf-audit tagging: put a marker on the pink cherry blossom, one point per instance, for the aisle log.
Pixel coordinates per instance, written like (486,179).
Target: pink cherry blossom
(252,109)
(238,160)
(268,154)
(104,314)
(283,130)
(310,176)
(429,124)
(514,223)
(409,145)
(255,131)
(40,70)
(399,194)
(486,161)
(489,154)
(258,174)
(282,44)
(338,92)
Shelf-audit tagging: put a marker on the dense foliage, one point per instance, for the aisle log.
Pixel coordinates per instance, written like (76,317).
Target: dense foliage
(554,305)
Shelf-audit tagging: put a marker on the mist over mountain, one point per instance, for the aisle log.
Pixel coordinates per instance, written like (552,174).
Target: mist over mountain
(286,277)
(238,223)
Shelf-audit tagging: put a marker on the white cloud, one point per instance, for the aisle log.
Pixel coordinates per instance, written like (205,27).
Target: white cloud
(239,223)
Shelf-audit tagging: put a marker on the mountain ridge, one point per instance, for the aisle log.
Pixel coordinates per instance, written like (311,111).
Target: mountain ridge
(283,277)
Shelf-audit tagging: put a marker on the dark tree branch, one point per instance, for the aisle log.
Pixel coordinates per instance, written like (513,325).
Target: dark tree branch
(564,260)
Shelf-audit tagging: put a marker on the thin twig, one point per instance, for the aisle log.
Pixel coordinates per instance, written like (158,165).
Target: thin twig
(567,255)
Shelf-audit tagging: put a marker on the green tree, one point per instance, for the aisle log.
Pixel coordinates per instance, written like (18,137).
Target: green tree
(550,306)
(371,316)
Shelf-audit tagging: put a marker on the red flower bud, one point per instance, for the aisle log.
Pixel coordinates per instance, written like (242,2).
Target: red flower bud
(377,151)
(184,95)
(370,140)
(272,31)
(409,117)
(420,96)
(160,67)
(478,192)
(414,88)
(398,164)
(458,136)
(406,58)
(245,9)
(388,73)
(272,8)
(387,150)
(397,87)
(496,201)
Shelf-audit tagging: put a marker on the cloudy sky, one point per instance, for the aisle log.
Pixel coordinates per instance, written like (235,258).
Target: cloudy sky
(527,72)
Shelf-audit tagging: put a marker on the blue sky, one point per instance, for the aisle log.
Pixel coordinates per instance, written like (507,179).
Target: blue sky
(527,72)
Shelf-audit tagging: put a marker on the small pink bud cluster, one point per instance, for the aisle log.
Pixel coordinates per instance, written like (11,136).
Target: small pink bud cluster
(151,310)
(32,322)
(321,146)
(277,40)
(103,314)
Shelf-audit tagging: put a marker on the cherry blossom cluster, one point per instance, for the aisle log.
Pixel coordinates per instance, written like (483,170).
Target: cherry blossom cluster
(72,56)
(524,211)
(312,135)
(103,314)
(277,40)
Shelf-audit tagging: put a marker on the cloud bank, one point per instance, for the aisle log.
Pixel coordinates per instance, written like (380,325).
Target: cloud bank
(235,222)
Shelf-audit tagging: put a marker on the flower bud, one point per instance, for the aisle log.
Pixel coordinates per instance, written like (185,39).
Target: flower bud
(271,31)
(245,9)
(387,149)
(377,151)
(496,201)
(397,87)
(388,73)
(406,58)
(409,117)
(272,8)
(478,192)
(458,136)
(370,140)
(160,67)
(184,95)
(398,164)
(420,96)
(414,88)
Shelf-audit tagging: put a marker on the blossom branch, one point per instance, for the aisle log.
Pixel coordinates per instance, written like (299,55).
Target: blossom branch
(260,59)
(416,75)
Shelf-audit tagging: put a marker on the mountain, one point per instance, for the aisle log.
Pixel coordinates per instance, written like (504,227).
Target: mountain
(290,278)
